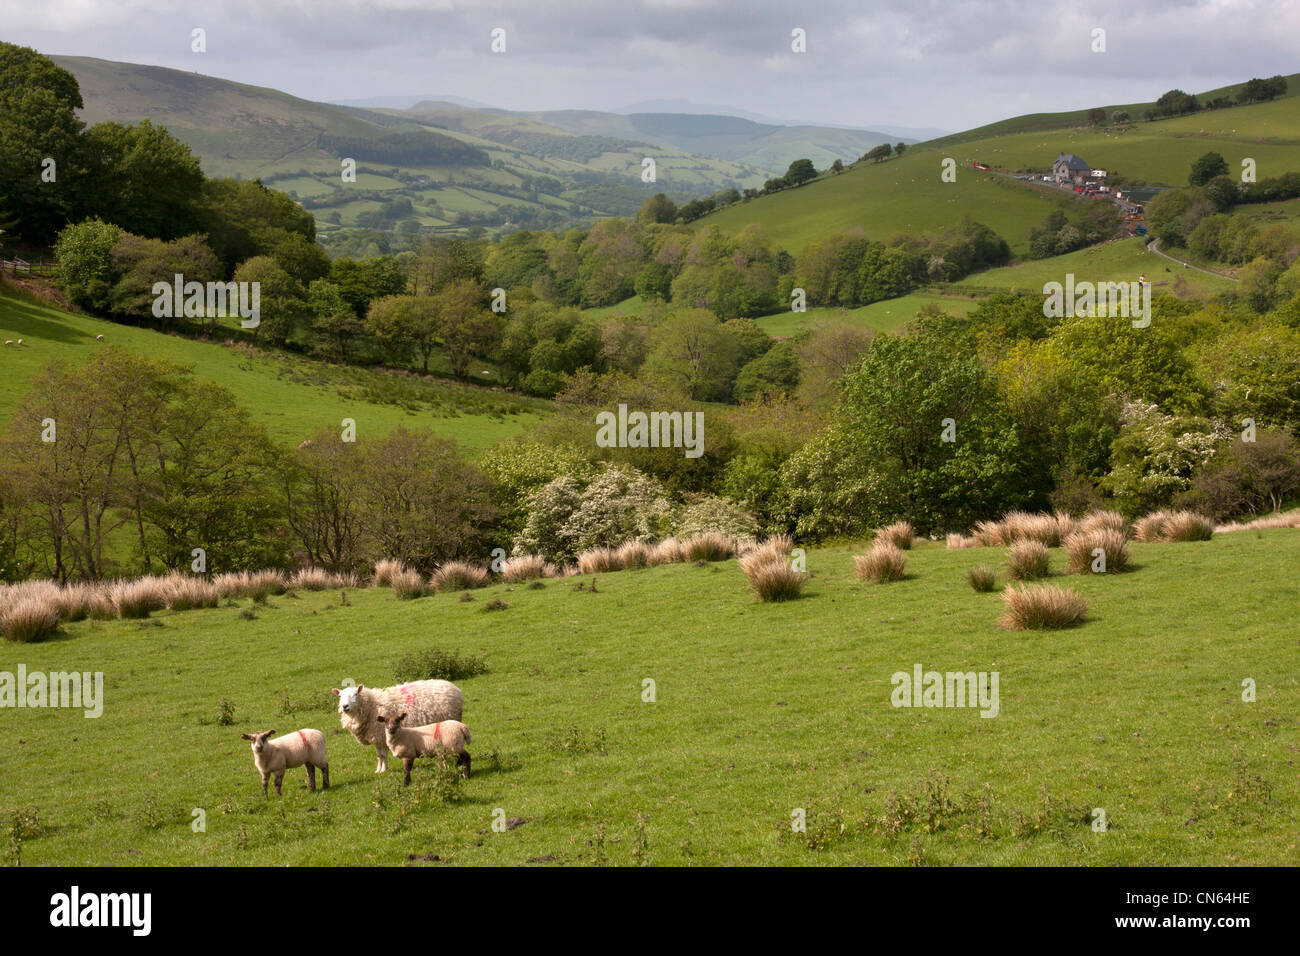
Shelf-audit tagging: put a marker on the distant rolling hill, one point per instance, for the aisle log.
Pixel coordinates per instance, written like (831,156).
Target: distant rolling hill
(907,195)
(504,172)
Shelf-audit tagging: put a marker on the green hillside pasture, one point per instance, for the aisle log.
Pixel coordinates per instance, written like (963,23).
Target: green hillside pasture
(1266,214)
(1120,261)
(1160,152)
(902,195)
(886,316)
(293,396)
(759,712)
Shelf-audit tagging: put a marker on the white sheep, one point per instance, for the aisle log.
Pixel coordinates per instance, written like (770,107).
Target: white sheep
(100,337)
(426,701)
(446,736)
(291,750)
(9,342)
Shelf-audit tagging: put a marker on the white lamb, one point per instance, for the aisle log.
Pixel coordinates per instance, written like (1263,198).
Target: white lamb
(426,701)
(291,750)
(446,736)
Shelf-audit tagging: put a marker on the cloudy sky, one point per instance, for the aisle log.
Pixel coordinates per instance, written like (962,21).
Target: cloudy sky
(918,63)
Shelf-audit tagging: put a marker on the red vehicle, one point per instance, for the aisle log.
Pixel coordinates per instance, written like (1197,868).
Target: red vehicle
(979,165)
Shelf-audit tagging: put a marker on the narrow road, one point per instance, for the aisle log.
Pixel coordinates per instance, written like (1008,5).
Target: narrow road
(1151,247)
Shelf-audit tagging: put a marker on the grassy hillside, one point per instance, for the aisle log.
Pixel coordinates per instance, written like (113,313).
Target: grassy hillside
(883,316)
(907,195)
(1073,118)
(759,710)
(1120,261)
(902,195)
(293,396)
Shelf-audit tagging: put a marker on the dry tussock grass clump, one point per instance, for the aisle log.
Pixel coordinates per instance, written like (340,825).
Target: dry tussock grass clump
(982,578)
(991,534)
(139,598)
(408,584)
(1279,519)
(955,540)
(188,592)
(1036,607)
(319,579)
(771,574)
(384,571)
(26,618)
(882,563)
(459,576)
(1188,526)
(1028,560)
(776,548)
(668,551)
(633,555)
(1081,552)
(599,561)
(524,567)
(231,584)
(1151,526)
(709,546)
(900,534)
(1103,520)
(1026,526)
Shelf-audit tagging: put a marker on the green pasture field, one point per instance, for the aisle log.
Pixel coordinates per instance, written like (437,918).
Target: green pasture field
(293,396)
(759,711)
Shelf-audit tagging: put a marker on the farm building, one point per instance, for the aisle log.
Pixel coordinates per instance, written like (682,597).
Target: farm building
(1069,168)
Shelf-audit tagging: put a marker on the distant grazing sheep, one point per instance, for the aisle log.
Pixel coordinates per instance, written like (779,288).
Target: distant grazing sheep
(9,342)
(291,750)
(425,701)
(446,736)
(99,338)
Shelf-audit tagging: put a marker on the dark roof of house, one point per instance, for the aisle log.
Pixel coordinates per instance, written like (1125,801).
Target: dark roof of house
(1072,162)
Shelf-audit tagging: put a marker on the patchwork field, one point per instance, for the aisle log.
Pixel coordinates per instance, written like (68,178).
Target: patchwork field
(759,711)
(293,396)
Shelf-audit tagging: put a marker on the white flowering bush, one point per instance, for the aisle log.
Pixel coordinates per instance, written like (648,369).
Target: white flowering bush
(569,514)
(704,513)
(1155,455)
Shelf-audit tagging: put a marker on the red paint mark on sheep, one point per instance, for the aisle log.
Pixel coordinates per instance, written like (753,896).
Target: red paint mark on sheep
(437,731)
(305,742)
(410,699)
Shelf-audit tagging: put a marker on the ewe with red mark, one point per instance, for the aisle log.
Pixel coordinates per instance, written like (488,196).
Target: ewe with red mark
(426,701)
(285,753)
(447,736)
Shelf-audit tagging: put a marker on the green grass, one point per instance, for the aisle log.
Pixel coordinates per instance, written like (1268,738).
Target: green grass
(886,316)
(293,397)
(902,195)
(760,710)
(1120,261)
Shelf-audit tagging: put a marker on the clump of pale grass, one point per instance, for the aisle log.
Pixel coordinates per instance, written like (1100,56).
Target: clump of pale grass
(28,618)
(883,562)
(955,540)
(188,592)
(1150,527)
(319,579)
(139,598)
(982,577)
(771,573)
(1278,519)
(709,546)
(408,584)
(385,568)
(991,534)
(1024,526)
(1027,560)
(900,534)
(599,561)
(1103,520)
(459,576)
(633,555)
(524,567)
(668,551)
(1081,552)
(1034,607)
(1188,526)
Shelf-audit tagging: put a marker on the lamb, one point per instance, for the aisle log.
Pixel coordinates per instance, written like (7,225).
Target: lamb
(446,736)
(426,701)
(291,750)
(99,337)
(9,342)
